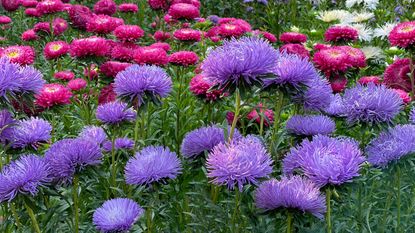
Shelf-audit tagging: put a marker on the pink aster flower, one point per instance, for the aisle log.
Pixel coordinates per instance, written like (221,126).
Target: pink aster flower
(123,51)
(161,36)
(77,84)
(341,34)
(128,7)
(183,58)
(55,49)
(158,4)
(29,35)
(91,46)
(165,46)
(10,5)
(91,71)
(128,32)
(267,35)
(338,83)
(293,38)
(356,57)
(23,55)
(5,20)
(331,60)
(49,6)
(403,95)
(195,3)
(403,34)
(103,24)
(107,94)
(32,12)
(201,87)
(29,3)
(298,49)
(184,11)
(105,7)
(111,68)
(319,46)
(79,15)
(369,79)
(268,113)
(53,94)
(397,75)
(59,26)
(65,75)
(148,55)
(42,27)
(187,34)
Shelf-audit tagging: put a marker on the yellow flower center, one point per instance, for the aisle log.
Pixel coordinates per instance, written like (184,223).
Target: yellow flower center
(13,54)
(56,47)
(407,28)
(51,89)
(230,27)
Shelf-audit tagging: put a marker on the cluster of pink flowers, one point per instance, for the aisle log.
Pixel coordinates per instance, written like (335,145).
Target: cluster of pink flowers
(337,59)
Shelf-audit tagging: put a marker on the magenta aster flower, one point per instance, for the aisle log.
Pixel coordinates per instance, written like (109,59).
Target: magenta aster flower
(128,7)
(293,38)
(184,11)
(103,24)
(91,46)
(106,7)
(49,6)
(187,34)
(55,49)
(151,56)
(128,32)
(341,34)
(183,58)
(112,68)
(397,75)
(403,34)
(23,55)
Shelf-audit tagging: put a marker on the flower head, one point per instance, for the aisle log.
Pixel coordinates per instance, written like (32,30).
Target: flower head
(184,11)
(152,164)
(65,75)
(119,143)
(241,162)
(240,61)
(296,49)
(183,58)
(49,6)
(293,38)
(397,75)
(293,192)
(24,176)
(202,87)
(103,24)
(69,156)
(77,84)
(55,49)
(6,125)
(128,7)
(117,215)
(106,7)
(341,34)
(187,34)
(30,132)
(53,94)
(310,125)
(150,55)
(93,133)
(23,55)
(128,32)
(371,103)
(91,46)
(142,82)
(79,15)
(403,34)
(115,113)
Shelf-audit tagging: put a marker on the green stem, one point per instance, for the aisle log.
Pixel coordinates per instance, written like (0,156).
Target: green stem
(149,220)
(114,162)
(75,202)
(328,214)
(214,193)
(32,217)
(277,119)
(236,211)
(398,198)
(15,216)
(290,227)
(261,124)
(237,110)
(136,130)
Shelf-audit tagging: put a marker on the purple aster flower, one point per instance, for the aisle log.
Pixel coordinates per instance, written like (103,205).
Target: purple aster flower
(30,132)
(140,82)
(310,125)
(317,95)
(241,61)
(214,19)
(411,116)
(68,156)
(371,103)
(336,107)
(152,164)
(115,113)
(6,123)
(117,215)
(293,192)
(238,163)
(9,74)
(31,80)
(119,143)
(325,160)
(93,133)
(292,70)
(204,139)
(391,145)
(23,176)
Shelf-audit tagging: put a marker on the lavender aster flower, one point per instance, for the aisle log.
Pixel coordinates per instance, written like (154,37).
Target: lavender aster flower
(31,80)
(119,143)
(9,74)
(292,70)
(214,19)
(241,162)
(30,132)
(310,125)
(6,123)
(325,160)
(152,164)
(241,61)
(115,113)
(68,156)
(93,133)
(291,192)
(117,215)
(23,176)
(204,139)
(391,145)
(371,103)
(411,116)
(317,96)
(139,82)
(336,107)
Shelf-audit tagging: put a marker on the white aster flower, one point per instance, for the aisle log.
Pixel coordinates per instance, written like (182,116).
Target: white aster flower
(384,31)
(372,52)
(362,16)
(330,16)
